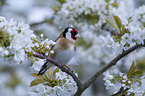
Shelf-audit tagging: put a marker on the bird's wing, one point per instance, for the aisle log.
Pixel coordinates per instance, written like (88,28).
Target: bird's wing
(47,64)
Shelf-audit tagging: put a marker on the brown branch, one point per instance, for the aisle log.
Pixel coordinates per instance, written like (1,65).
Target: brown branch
(42,22)
(86,84)
(83,86)
(122,90)
(62,67)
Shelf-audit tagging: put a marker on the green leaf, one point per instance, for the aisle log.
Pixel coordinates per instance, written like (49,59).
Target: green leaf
(36,76)
(45,77)
(129,19)
(118,21)
(55,71)
(107,1)
(49,72)
(141,64)
(132,94)
(112,23)
(115,5)
(29,54)
(36,82)
(124,30)
(57,8)
(131,69)
(138,72)
(62,1)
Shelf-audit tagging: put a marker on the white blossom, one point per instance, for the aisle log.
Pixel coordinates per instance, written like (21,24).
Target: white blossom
(67,88)
(126,39)
(6,52)
(53,43)
(73,9)
(36,44)
(109,85)
(123,85)
(37,64)
(129,82)
(52,52)
(41,35)
(137,89)
(19,37)
(99,51)
(125,77)
(135,36)
(123,80)
(47,47)
(46,54)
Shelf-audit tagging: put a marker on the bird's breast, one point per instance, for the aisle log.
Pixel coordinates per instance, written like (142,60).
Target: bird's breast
(64,56)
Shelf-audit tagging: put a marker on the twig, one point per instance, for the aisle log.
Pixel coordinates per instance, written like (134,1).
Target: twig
(44,21)
(62,67)
(120,91)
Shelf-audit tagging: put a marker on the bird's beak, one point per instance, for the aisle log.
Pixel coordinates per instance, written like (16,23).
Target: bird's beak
(77,36)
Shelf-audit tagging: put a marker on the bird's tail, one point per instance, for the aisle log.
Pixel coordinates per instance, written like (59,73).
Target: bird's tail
(44,67)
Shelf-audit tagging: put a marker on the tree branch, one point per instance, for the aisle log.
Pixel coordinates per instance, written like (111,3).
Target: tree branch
(120,91)
(83,86)
(62,67)
(44,21)
(86,84)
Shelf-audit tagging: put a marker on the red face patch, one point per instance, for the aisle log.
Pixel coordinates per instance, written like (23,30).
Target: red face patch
(74,32)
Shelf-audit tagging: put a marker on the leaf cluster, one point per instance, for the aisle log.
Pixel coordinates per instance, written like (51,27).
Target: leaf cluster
(133,71)
(120,29)
(48,79)
(4,39)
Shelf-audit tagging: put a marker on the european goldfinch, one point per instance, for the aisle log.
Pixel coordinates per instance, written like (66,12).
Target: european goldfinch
(63,50)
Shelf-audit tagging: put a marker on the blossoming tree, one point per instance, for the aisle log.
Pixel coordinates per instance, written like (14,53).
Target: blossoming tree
(112,39)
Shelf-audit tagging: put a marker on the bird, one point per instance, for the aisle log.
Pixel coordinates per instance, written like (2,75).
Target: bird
(64,49)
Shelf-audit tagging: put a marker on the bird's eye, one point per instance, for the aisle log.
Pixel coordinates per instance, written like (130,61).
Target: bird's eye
(73,33)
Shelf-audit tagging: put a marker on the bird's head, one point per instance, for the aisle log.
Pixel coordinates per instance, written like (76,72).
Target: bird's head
(70,33)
